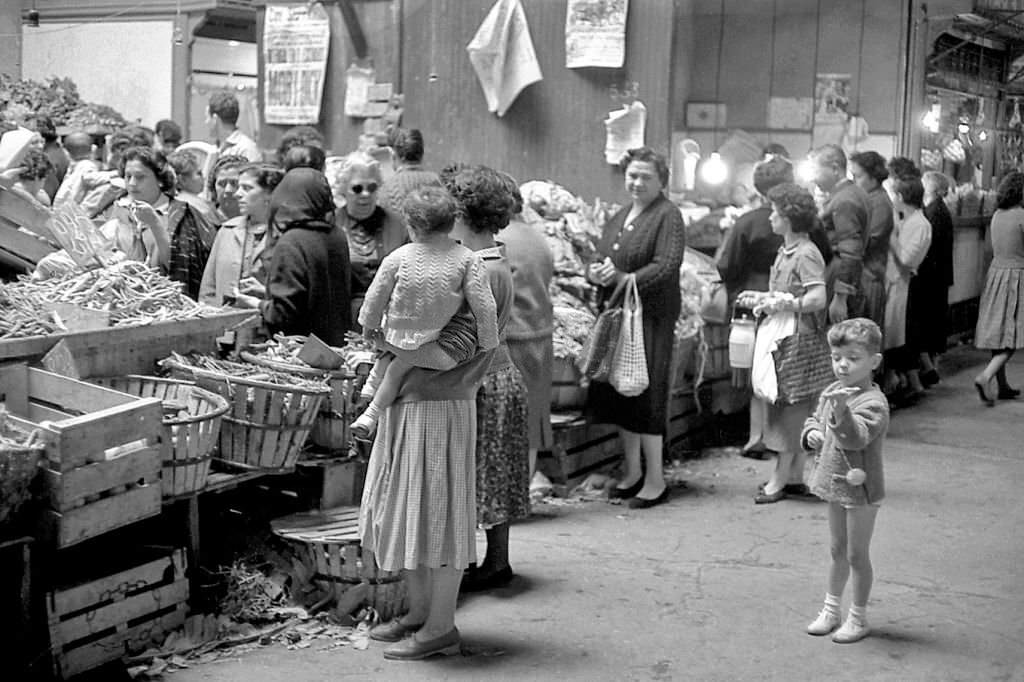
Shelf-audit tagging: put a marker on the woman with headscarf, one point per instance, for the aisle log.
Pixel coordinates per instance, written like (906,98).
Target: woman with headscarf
(308,276)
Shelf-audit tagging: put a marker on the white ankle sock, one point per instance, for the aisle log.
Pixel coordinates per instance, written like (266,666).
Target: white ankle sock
(859,612)
(832,603)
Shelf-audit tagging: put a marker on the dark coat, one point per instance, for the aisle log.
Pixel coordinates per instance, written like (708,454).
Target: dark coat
(308,286)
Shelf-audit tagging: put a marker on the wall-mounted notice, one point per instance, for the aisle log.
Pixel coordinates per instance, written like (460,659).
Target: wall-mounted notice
(595,33)
(296,39)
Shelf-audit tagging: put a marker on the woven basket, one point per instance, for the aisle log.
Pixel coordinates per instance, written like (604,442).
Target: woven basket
(331,428)
(18,466)
(190,438)
(266,424)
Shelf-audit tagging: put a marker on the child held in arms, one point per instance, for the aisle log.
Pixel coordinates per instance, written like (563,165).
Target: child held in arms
(417,290)
(846,431)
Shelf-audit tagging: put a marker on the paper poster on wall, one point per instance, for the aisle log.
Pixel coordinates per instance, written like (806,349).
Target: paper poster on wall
(503,56)
(624,130)
(831,102)
(595,33)
(358,80)
(790,113)
(296,39)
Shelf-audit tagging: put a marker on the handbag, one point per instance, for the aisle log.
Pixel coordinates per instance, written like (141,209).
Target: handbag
(803,364)
(629,367)
(715,308)
(595,361)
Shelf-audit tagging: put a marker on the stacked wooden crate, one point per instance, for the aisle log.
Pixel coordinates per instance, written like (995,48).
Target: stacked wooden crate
(102,620)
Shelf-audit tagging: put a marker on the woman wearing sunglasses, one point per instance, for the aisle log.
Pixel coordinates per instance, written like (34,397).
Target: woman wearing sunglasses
(373,232)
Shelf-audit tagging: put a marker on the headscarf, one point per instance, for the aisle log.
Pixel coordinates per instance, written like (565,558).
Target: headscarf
(302,199)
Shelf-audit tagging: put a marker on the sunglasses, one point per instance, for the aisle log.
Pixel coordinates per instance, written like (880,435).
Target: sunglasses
(358,189)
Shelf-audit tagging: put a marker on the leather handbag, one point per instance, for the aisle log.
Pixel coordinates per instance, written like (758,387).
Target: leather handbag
(595,361)
(803,364)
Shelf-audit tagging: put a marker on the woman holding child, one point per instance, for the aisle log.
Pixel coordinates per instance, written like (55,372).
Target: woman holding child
(419,507)
(796,285)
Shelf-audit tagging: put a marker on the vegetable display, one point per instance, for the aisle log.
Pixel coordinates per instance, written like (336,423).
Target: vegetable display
(131,292)
(23,100)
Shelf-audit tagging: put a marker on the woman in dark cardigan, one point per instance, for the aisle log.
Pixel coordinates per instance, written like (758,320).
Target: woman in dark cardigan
(929,290)
(647,239)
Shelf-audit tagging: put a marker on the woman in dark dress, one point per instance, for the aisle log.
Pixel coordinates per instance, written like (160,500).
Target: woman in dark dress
(647,239)
(929,290)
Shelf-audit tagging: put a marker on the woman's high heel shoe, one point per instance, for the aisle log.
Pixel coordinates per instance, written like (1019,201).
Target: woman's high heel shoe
(983,393)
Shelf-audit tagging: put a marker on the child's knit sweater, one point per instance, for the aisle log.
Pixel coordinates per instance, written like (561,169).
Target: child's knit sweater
(418,288)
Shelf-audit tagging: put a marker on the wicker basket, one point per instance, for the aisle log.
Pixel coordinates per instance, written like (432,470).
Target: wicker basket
(18,466)
(266,424)
(190,438)
(331,428)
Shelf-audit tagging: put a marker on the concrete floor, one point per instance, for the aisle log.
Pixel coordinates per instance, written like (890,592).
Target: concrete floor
(712,587)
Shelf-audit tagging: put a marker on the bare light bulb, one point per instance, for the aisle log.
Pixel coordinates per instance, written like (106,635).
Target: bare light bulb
(714,171)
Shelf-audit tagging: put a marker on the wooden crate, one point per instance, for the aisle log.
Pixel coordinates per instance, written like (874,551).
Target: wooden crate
(117,351)
(566,391)
(104,620)
(103,450)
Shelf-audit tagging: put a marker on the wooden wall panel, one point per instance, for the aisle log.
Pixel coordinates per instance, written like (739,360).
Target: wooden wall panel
(747,51)
(555,128)
(776,48)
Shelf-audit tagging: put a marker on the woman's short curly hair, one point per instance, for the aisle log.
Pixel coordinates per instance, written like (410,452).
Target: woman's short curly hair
(155,161)
(902,167)
(358,160)
(1010,193)
(483,198)
(223,163)
(268,176)
(407,144)
(35,166)
(872,163)
(430,209)
(796,204)
(772,173)
(937,182)
(304,156)
(910,190)
(648,155)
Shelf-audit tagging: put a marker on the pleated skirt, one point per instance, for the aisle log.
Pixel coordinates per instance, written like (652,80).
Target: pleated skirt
(1001,310)
(419,499)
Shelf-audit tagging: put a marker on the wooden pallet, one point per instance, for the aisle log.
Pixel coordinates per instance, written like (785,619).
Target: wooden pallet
(103,450)
(104,620)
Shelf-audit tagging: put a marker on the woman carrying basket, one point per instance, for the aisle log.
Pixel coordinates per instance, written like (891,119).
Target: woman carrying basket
(796,285)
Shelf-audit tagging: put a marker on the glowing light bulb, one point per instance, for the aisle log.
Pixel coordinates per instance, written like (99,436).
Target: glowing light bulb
(805,171)
(714,171)
(983,135)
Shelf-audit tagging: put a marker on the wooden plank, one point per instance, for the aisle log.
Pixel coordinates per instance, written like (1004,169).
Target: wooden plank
(60,360)
(26,247)
(66,490)
(19,209)
(117,645)
(130,349)
(74,395)
(107,514)
(41,413)
(82,596)
(86,438)
(97,620)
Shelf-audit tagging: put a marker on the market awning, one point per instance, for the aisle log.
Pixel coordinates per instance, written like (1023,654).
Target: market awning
(123,10)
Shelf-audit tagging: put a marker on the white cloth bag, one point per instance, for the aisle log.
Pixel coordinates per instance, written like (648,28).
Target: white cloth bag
(772,329)
(629,366)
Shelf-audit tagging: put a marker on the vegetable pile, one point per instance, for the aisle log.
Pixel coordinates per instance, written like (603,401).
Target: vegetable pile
(285,349)
(131,292)
(245,370)
(23,100)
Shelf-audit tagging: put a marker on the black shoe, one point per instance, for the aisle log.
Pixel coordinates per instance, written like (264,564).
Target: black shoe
(481,581)
(929,378)
(1008,393)
(761,454)
(798,490)
(644,503)
(617,493)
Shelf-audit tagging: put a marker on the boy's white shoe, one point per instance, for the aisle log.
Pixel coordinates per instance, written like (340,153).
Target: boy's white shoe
(826,622)
(853,630)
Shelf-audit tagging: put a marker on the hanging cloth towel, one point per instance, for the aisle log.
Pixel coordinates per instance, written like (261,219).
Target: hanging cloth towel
(503,56)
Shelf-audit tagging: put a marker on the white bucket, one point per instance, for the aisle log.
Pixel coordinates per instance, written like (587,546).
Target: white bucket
(741,342)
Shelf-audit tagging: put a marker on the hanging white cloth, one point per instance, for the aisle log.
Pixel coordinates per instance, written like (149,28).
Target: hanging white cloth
(503,56)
